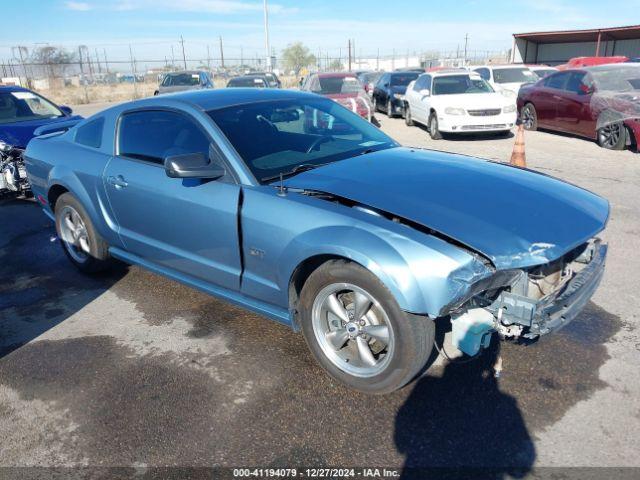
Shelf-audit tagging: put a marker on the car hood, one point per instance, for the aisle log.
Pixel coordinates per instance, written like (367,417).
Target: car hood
(513,216)
(18,134)
(473,101)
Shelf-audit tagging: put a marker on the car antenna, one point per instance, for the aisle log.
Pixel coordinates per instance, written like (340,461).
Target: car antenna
(282,192)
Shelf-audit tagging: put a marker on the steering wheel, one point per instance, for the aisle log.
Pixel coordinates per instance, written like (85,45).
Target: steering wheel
(266,121)
(318,141)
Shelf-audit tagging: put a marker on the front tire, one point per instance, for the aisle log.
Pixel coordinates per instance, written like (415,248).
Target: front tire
(357,332)
(79,239)
(434,131)
(613,136)
(390,113)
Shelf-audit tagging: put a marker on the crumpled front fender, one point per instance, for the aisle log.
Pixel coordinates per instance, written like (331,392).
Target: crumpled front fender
(425,274)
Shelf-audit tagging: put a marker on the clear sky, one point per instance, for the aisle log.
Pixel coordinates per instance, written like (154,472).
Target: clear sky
(153,26)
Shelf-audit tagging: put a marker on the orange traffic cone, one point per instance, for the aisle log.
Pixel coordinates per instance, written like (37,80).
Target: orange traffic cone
(517,156)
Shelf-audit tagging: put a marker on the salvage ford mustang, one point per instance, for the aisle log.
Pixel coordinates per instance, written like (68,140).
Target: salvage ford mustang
(292,206)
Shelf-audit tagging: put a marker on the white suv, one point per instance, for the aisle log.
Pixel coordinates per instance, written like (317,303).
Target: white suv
(457,101)
(508,78)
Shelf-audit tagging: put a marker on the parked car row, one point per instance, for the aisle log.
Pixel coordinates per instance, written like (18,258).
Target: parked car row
(599,102)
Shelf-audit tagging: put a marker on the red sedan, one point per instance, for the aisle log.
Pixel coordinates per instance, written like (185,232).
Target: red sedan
(344,88)
(601,103)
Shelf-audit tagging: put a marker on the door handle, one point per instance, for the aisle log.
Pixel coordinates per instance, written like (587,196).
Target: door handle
(118,181)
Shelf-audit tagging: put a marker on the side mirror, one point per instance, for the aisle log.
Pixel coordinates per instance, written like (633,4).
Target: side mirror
(386,85)
(586,89)
(425,92)
(66,110)
(192,165)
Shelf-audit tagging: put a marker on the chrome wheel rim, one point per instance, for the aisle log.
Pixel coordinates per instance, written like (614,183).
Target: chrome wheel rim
(610,134)
(352,329)
(432,125)
(407,115)
(74,235)
(527,117)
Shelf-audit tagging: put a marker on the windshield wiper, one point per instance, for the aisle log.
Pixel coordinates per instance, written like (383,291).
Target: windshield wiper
(303,167)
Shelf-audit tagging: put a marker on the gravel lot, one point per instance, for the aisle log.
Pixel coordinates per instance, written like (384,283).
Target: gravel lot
(130,369)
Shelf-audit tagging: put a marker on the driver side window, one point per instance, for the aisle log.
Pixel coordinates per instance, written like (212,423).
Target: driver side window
(153,135)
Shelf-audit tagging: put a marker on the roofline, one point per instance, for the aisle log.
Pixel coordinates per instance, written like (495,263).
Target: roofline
(587,30)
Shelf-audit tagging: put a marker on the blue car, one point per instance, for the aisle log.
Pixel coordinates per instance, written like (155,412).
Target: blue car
(388,92)
(21,113)
(292,206)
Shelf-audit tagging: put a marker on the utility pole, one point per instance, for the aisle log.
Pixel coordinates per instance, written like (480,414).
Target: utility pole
(173,59)
(378,60)
(133,69)
(83,80)
(106,62)
(466,42)
(349,48)
(208,59)
(184,57)
(221,53)
(267,48)
(353,45)
(98,62)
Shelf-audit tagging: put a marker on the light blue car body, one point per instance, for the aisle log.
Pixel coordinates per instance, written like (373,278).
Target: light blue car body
(463,219)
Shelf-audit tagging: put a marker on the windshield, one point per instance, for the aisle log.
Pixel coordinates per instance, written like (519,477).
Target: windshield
(459,84)
(181,80)
(513,75)
(544,72)
(619,79)
(288,133)
(247,82)
(370,77)
(25,106)
(403,79)
(336,85)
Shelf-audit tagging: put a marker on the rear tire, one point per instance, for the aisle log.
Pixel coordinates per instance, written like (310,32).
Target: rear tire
(529,117)
(407,116)
(79,239)
(434,132)
(340,286)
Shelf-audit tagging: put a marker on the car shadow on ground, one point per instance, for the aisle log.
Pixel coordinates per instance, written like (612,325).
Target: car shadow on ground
(39,287)
(470,137)
(457,423)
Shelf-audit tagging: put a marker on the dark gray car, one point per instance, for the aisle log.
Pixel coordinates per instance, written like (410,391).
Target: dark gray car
(184,80)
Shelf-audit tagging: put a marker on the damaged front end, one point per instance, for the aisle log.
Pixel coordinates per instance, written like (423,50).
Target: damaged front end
(528,303)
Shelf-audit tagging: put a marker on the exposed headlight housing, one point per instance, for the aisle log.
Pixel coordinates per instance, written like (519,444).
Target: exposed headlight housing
(509,108)
(398,96)
(508,93)
(454,111)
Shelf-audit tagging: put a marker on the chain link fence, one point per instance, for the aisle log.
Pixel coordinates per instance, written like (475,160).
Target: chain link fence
(79,78)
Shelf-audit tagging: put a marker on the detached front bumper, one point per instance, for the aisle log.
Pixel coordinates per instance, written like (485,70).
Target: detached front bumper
(555,311)
(514,315)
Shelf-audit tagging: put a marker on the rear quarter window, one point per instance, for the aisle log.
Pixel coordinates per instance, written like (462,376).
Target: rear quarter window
(90,134)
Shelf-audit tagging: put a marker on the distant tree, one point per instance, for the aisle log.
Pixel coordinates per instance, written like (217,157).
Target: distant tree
(52,60)
(335,65)
(296,56)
